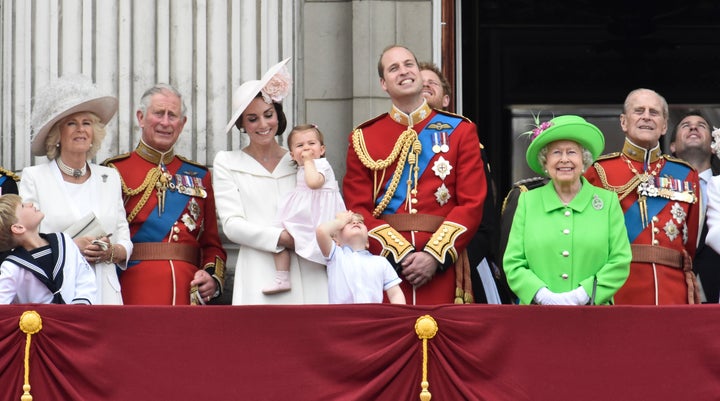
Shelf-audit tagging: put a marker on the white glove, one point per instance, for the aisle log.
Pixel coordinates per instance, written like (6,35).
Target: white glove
(577,296)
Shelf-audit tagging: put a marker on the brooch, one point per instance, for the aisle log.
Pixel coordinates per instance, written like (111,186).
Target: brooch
(441,167)
(442,195)
(597,203)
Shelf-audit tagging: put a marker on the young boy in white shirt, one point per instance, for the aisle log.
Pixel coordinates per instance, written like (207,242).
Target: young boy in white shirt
(41,268)
(354,274)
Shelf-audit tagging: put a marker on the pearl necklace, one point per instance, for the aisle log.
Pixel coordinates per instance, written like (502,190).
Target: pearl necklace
(72,172)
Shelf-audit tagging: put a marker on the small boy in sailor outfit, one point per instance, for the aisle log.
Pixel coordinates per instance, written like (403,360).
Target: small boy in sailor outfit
(41,268)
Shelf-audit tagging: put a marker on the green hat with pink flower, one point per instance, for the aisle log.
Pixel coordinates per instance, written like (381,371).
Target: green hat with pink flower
(569,128)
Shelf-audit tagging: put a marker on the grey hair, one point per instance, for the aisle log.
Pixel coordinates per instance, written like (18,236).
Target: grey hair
(160,88)
(626,105)
(52,151)
(587,157)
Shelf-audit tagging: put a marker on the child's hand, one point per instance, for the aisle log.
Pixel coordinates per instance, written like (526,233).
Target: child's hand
(344,217)
(306,155)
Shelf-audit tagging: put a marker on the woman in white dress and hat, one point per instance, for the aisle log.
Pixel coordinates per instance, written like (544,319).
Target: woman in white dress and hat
(249,183)
(77,196)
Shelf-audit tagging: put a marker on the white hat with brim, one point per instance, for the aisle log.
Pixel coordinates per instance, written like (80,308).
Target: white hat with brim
(65,97)
(246,92)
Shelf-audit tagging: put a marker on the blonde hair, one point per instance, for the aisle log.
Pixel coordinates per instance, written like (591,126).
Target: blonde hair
(8,216)
(52,150)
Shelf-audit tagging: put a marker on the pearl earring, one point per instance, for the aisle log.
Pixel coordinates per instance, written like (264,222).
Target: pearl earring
(57,145)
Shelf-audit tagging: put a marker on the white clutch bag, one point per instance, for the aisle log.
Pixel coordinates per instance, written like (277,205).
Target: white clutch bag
(88,226)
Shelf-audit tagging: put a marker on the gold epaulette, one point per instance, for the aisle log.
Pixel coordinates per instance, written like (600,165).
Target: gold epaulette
(194,163)
(10,174)
(609,156)
(676,160)
(442,243)
(454,115)
(114,159)
(369,122)
(393,242)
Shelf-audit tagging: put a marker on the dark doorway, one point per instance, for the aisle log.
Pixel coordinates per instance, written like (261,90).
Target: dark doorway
(547,55)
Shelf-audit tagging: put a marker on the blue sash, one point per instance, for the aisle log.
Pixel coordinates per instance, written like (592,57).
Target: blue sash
(654,203)
(425,136)
(155,228)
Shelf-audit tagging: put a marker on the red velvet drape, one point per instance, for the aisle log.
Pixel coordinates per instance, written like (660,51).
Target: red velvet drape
(363,352)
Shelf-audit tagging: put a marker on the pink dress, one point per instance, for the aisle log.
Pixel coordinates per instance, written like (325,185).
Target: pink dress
(303,209)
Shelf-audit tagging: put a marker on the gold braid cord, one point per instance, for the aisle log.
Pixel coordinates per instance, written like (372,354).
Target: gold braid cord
(147,185)
(623,190)
(400,153)
(30,323)
(425,327)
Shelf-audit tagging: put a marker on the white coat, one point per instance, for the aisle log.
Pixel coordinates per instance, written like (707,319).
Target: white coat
(246,197)
(43,185)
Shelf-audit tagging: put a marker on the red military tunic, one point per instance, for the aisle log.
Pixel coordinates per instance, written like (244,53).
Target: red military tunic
(160,274)
(438,212)
(659,274)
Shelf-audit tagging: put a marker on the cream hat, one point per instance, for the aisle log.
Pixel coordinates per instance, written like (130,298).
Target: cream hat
(246,92)
(63,97)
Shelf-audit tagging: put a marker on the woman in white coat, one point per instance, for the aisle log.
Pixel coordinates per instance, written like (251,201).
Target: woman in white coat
(249,183)
(78,197)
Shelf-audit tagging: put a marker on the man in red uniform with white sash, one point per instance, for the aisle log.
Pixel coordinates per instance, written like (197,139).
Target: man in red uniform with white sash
(177,256)
(416,176)
(660,197)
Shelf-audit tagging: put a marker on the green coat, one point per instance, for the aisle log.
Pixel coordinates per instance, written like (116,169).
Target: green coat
(562,247)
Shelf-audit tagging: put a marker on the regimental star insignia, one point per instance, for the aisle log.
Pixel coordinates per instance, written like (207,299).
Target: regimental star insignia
(442,195)
(439,126)
(671,230)
(678,213)
(194,209)
(442,168)
(423,114)
(396,117)
(685,233)
(189,222)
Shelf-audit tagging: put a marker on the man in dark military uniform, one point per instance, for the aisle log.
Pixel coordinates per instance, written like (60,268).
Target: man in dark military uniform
(692,141)
(177,256)
(659,195)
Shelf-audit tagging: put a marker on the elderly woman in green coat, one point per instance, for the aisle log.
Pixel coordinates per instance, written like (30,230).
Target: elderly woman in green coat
(568,244)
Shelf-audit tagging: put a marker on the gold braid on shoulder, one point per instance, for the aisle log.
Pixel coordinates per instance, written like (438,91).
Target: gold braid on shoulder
(401,149)
(147,185)
(623,190)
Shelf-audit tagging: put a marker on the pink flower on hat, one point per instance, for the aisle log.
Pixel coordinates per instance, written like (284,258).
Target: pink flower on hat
(278,87)
(539,127)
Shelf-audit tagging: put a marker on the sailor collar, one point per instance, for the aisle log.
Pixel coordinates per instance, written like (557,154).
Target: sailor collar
(639,154)
(413,118)
(154,156)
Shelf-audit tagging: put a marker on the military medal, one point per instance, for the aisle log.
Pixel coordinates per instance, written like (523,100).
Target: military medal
(162,184)
(436,142)
(442,168)
(444,139)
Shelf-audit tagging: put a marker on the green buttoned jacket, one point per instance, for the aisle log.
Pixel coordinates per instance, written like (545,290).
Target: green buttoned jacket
(562,247)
